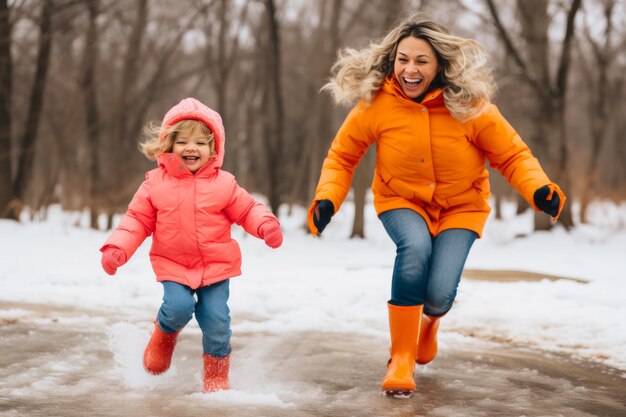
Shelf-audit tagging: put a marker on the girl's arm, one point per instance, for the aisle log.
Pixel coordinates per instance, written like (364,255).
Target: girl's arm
(246,211)
(136,225)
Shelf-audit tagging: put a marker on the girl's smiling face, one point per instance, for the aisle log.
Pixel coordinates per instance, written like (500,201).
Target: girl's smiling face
(193,147)
(415,66)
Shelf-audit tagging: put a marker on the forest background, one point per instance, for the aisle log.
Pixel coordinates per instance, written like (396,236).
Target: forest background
(79,79)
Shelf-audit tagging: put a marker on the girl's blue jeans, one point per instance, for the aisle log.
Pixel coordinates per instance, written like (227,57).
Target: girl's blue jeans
(427,269)
(211,310)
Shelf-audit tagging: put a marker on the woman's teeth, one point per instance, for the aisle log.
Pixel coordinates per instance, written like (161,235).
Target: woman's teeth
(412,81)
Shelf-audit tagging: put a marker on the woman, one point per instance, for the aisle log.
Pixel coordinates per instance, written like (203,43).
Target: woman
(424,99)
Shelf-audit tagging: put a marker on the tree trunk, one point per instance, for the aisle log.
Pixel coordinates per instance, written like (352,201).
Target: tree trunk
(522,205)
(550,96)
(322,129)
(563,177)
(29,137)
(6,82)
(363,174)
(548,133)
(560,89)
(274,136)
(92,115)
(360,185)
(498,206)
(603,104)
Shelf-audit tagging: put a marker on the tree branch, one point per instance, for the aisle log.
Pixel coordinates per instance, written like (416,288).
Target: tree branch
(561,79)
(512,50)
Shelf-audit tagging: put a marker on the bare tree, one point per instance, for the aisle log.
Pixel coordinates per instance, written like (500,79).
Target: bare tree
(6,123)
(92,100)
(315,122)
(29,136)
(327,40)
(319,117)
(127,100)
(607,90)
(273,132)
(221,56)
(363,173)
(92,113)
(550,92)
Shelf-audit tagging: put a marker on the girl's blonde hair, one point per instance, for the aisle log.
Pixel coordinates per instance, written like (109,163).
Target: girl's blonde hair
(465,74)
(157,142)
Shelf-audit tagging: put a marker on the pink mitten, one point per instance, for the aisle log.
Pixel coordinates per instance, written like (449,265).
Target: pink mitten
(272,235)
(112,258)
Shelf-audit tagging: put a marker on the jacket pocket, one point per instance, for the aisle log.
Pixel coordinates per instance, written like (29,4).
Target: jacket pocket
(393,186)
(470,196)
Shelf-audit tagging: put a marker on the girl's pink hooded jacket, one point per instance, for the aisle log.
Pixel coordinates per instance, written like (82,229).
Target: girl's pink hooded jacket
(190,216)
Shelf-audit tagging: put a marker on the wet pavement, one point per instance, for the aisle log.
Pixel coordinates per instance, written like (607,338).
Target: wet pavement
(61,362)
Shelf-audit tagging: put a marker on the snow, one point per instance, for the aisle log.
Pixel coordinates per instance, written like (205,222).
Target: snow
(330,284)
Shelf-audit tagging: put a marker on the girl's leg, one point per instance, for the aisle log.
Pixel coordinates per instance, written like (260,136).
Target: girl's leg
(450,250)
(174,314)
(409,232)
(213,316)
(177,308)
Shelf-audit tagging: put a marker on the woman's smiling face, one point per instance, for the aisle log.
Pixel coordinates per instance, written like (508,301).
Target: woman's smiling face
(415,66)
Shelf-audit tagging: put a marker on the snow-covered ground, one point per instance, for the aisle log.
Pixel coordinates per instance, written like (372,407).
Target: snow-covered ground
(342,285)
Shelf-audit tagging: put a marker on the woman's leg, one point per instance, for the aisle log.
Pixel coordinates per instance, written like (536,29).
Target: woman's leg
(409,232)
(177,308)
(450,250)
(213,316)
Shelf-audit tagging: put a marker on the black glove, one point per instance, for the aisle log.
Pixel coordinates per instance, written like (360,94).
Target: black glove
(547,206)
(322,213)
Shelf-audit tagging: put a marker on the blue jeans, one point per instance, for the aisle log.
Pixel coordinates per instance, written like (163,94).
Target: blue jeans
(211,311)
(427,269)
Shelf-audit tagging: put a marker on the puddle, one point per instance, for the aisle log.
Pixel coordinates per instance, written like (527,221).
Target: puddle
(499,275)
(92,366)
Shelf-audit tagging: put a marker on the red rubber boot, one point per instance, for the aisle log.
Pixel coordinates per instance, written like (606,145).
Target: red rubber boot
(158,354)
(216,373)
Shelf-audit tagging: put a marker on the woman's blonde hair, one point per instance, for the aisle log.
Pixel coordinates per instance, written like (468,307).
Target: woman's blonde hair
(157,142)
(465,74)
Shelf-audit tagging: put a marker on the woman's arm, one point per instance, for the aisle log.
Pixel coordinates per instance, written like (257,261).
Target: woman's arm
(508,153)
(350,144)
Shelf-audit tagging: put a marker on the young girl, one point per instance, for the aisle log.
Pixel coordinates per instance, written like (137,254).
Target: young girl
(188,205)
(424,99)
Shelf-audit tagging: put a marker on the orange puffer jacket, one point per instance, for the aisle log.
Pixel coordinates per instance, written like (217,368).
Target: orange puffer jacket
(190,216)
(427,161)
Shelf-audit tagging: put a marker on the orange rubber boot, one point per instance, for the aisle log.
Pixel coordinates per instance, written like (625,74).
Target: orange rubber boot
(158,354)
(216,373)
(404,324)
(427,340)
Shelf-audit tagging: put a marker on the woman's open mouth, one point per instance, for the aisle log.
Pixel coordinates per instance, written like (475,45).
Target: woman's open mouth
(412,82)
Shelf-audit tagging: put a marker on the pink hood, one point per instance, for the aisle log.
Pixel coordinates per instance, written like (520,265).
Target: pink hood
(190,108)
